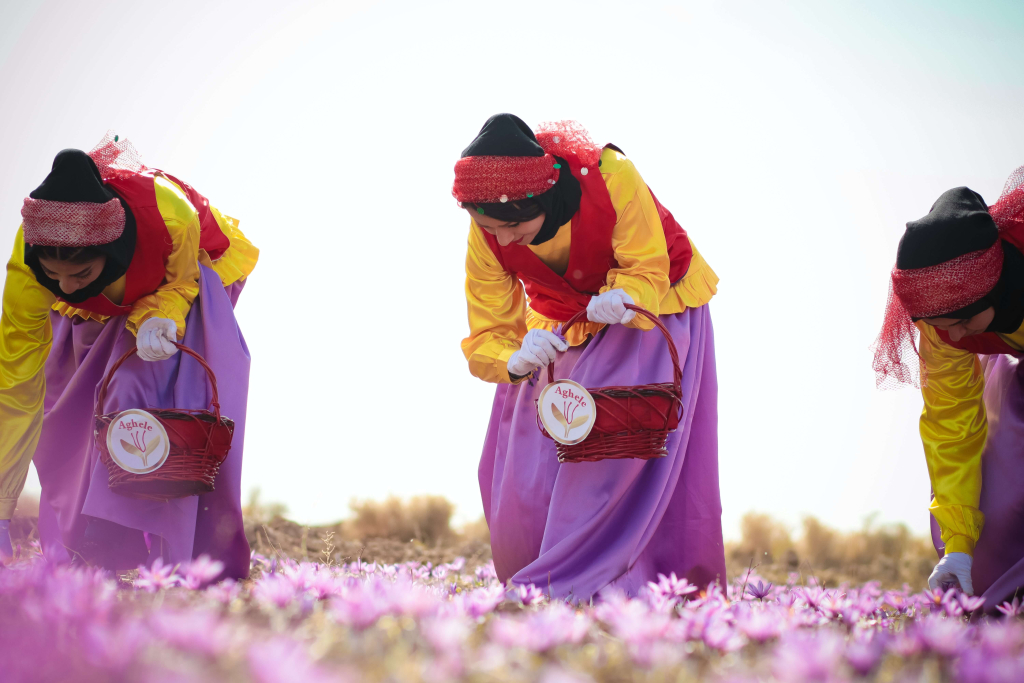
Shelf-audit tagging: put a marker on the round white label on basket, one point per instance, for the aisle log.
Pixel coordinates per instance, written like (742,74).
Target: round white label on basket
(137,442)
(567,411)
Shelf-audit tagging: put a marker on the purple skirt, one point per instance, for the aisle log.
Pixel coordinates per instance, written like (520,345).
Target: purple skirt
(576,528)
(998,568)
(79,516)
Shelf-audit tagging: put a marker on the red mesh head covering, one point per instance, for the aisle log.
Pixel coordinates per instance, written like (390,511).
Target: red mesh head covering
(568,138)
(116,157)
(941,289)
(71,224)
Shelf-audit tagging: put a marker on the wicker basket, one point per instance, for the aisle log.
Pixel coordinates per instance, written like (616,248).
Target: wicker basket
(630,422)
(199,443)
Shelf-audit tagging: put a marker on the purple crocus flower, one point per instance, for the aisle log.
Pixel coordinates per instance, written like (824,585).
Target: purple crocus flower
(802,658)
(195,630)
(530,595)
(158,577)
(201,571)
(760,625)
(970,603)
(276,590)
(941,636)
(283,661)
(864,652)
(759,591)
(1011,609)
(482,601)
(225,592)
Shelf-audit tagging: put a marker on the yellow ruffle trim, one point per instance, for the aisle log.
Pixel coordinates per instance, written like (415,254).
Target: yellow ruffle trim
(238,262)
(695,289)
(70,311)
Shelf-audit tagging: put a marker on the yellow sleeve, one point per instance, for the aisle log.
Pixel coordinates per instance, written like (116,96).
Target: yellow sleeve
(173,298)
(25,339)
(496,304)
(953,428)
(638,238)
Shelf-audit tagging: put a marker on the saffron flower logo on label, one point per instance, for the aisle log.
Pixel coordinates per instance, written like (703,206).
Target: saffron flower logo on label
(137,442)
(567,411)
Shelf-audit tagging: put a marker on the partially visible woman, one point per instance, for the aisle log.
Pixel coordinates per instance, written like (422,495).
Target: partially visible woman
(113,255)
(557,226)
(958,284)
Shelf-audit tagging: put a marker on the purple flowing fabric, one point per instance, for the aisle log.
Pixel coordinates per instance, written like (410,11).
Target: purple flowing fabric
(79,516)
(998,568)
(576,528)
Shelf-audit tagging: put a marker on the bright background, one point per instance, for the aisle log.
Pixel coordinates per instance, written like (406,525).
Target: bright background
(792,139)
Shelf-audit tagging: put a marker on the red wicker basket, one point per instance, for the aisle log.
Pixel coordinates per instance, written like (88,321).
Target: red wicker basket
(199,443)
(630,422)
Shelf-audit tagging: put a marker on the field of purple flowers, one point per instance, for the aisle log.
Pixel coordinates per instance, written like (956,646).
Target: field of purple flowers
(321,621)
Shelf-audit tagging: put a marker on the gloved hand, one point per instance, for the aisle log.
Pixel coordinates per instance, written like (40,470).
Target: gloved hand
(952,568)
(156,338)
(539,348)
(6,551)
(609,308)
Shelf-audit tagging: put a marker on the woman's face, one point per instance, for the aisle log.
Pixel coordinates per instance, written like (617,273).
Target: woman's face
(958,329)
(508,232)
(73,276)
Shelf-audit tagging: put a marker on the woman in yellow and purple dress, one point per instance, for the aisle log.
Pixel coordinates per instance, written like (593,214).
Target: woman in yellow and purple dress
(559,225)
(112,255)
(958,285)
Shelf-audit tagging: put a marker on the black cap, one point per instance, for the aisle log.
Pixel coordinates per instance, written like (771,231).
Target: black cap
(959,223)
(73,178)
(504,135)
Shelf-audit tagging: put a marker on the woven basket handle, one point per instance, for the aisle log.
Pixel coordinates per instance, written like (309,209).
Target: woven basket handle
(677,372)
(215,403)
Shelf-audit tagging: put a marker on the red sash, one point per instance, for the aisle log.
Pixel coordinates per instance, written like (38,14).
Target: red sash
(591,255)
(152,240)
(985,343)
(152,245)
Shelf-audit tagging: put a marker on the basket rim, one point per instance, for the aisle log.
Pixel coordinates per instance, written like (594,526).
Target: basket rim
(677,371)
(173,414)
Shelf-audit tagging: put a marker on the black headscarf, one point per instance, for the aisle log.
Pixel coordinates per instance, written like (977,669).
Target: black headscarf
(959,223)
(75,178)
(507,135)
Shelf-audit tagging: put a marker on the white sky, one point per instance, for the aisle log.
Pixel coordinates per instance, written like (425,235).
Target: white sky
(791,139)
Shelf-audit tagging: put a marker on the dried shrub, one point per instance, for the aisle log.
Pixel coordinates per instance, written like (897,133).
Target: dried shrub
(423,518)
(476,532)
(258,512)
(888,553)
(763,540)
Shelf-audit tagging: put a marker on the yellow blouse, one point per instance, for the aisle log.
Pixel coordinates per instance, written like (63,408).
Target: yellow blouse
(499,315)
(26,334)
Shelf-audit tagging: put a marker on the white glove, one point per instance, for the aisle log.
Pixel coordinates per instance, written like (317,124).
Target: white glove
(952,568)
(6,551)
(539,348)
(156,338)
(610,308)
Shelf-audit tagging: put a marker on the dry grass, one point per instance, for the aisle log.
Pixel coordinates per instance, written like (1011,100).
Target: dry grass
(394,530)
(887,553)
(419,529)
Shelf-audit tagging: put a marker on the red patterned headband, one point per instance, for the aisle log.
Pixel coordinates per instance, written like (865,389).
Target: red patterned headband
(946,287)
(490,179)
(71,224)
